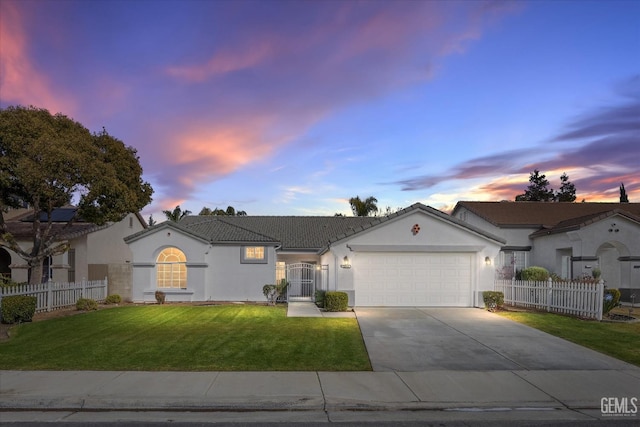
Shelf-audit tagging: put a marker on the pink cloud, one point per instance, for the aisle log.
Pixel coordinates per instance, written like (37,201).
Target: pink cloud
(20,82)
(224,62)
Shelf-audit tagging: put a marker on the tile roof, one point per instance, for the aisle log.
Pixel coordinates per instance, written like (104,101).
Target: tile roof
(21,227)
(21,230)
(291,233)
(577,223)
(540,214)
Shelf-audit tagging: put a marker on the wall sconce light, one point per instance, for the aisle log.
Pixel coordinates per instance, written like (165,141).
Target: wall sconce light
(345,262)
(487,260)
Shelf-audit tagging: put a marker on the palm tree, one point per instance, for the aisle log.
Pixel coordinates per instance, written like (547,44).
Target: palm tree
(177,214)
(363,208)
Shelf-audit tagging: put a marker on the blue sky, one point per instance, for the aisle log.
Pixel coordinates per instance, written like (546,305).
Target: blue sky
(292,107)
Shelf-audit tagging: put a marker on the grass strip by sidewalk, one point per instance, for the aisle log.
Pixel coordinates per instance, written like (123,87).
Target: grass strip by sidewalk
(619,340)
(189,338)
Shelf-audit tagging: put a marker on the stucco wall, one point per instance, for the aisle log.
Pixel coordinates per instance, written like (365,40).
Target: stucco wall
(145,253)
(107,246)
(231,280)
(595,244)
(214,272)
(517,237)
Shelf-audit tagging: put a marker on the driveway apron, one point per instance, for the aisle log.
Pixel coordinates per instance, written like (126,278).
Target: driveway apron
(467,339)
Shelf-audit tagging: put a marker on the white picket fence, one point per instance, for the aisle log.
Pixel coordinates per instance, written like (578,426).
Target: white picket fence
(53,296)
(583,299)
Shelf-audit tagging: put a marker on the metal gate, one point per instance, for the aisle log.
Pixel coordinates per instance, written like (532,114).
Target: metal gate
(304,279)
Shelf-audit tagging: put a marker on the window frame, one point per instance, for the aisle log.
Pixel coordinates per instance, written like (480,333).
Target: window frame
(245,259)
(174,272)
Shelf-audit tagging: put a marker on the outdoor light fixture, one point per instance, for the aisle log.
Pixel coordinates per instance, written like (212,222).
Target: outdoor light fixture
(487,260)
(345,262)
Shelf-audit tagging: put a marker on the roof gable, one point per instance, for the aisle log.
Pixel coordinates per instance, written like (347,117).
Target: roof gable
(580,222)
(427,210)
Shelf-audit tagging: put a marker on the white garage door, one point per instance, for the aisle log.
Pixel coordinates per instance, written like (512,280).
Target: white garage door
(413,279)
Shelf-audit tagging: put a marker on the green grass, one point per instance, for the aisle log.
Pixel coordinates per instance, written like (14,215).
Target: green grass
(619,340)
(187,338)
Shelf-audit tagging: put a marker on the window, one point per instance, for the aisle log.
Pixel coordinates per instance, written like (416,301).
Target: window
(511,261)
(254,254)
(171,267)
(281,271)
(47,269)
(71,273)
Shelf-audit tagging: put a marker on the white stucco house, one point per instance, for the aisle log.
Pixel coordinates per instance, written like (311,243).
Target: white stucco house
(95,251)
(418,256)
(568,239)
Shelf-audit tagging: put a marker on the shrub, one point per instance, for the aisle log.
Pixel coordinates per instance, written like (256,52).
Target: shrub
(319,298)
(336,301)
(86,304)
(160,297)
(610,301)
(113,299)
(18,308)
(535,273)
(7,282)
(493,300)
(273,292)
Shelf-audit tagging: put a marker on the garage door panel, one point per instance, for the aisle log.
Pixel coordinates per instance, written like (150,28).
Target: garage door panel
(413,279)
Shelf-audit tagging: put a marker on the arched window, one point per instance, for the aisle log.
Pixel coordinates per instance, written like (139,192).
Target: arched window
(171,267)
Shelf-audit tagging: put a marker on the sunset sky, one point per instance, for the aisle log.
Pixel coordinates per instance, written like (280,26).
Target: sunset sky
(292,107)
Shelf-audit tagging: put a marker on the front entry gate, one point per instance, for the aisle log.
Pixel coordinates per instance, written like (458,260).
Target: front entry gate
(304,279)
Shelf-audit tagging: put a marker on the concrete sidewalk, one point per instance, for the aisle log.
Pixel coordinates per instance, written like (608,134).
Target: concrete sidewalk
(309,309)
(432,395)
(569,392)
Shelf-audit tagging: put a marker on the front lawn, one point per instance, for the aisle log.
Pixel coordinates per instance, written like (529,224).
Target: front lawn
(187,338)
(619,340)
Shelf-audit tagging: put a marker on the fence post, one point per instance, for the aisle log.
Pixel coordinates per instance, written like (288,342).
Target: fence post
(549,293)
(49,295)
(83,290)
(513,284)
(599,299)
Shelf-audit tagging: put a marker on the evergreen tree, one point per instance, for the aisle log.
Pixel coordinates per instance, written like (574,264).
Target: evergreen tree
(538,189)
(623,194)
(231,211)
(567,192)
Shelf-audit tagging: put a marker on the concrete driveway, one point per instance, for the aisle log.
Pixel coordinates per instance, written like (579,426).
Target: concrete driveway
(467,339)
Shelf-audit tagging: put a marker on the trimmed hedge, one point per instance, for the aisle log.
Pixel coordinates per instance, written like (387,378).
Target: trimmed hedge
(319,298)
(535,273)
(113,299)
(86,304)
(336,301)
(493,300)
(18,308)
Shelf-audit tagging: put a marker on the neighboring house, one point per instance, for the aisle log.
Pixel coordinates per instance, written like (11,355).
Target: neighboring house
(568,239)
(96,251)
(418,256)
